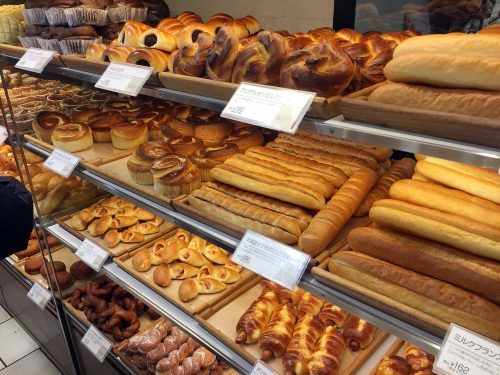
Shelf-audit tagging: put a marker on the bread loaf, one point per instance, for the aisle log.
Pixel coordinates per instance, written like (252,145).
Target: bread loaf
(461,71)
(478,275)
(453,230)
(328,223)
(461,101)
(431,296)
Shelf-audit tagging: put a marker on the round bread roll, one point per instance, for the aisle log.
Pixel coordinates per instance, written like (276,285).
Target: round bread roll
(33,265)
(64,278)
(80,271)
(58,266)
(162,275)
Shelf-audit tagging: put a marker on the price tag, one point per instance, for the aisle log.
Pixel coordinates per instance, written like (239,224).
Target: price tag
(35,60)
(61,162)
(269,107)
(3,134)
(262,368)
(124,78)
(467,353)
(96,343)
(271,259)
(39,295)
(92,254)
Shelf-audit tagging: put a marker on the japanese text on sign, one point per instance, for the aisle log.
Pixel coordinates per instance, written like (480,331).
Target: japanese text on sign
(124,78)
(61,162)
(96,343)
(35,60)
(91,254)
(39,295)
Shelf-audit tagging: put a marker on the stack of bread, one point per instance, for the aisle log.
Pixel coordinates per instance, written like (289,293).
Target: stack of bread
(235,50)
(456,73)
(435,246)
(310,334)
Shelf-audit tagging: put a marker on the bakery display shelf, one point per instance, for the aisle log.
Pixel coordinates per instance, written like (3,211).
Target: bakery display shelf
(377,135)
(159,303)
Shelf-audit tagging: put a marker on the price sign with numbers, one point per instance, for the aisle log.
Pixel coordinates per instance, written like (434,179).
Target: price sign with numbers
(269,107)
(39,295)
(96,343)
(3,134)
(124,78)
(271,259)
(262,368)
(92,254)
(35,60)
(467,353)
(61,162)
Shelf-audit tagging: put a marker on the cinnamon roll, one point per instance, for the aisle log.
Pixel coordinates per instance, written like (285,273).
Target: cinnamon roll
(246,137)
(129,134)
(95,50)
(139,165)
(117,54)
(120,105)
(156,59)
(155,120)
(177,126)
(45,122)
(208,157)
(72,137)
(159,39)
(185,145)
(83,115)
(174,175)
(101,124)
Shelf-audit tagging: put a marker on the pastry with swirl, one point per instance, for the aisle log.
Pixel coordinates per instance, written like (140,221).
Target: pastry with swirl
(327,353)
(139,164)
(186,146)
(174,175)
(72,137)
(222,54)
(278,332)
(176,125)
(45,122)
(101,124)
(156,59)
(190,59)
(127,135)
(245,137)
(155,120)
(209,156)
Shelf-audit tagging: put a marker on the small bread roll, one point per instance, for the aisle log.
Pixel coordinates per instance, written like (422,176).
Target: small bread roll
(162,275)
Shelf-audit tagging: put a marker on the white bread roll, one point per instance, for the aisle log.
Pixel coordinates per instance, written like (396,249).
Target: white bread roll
(443,70)
(454,44)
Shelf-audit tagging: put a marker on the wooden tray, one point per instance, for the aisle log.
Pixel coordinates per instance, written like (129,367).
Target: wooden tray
(384,303)
(17,51)
(463,128)
(119,249)
(196,305)
(117,171)
(98,153)
(222,318)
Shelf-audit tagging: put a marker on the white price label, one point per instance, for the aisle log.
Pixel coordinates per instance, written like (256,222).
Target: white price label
(35,60)
(124,78)
(92,255)
(39,295)
(61,162)
(269,107)
(271,259)
(467,353)
(3,134)
(96,343)
(262,368)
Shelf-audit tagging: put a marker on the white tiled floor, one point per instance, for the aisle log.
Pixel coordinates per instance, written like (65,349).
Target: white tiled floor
(19,353)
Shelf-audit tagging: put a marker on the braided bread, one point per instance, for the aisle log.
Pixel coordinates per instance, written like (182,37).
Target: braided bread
(191,59)
(222,54)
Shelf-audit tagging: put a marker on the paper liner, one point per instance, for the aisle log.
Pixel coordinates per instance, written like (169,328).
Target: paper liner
(56,16)
(49,44)
(86,16)
(35,16)
(77,46)
(29,41)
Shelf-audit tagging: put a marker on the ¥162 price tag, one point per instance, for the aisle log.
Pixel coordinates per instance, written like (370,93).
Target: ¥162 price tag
(35,60)
(124,78)
(262,368)
(269,107)
(91,254)
(61,162)
(271,259)
(467,353)
(3,135)
(39,295)
(96,343)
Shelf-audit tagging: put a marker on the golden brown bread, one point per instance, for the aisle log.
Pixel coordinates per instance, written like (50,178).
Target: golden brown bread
(358,333)
(328,223)
(423,293)
(327,353)
(153,58)
(159,39)
(222,54)
(278,332)
(478,275)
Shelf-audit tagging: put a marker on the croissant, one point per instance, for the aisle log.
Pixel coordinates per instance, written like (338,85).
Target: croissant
(309,303)
(332,315)
(254,321)
(215,254)
(417,358)
(95,51)
(222,54)
(153,58)
(192,257)
(190,288)
(117,54)
(327,353)
(131,31)
(181,271)
(358,333)
(159,39)
(278,332)
(190,60)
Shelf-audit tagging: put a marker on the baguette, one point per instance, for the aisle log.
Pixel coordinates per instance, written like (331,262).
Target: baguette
(401,169)
(462,233)
(348,164)
(431,296)
(473,180)
(419,177)
(440,198)
(333,175)
(257,183)
(328,223)
(478,275)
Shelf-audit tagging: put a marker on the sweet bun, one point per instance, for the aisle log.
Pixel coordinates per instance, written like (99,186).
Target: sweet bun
(63,277)
(33,265)
(80,271)
(58,266)
(155,38)
(72,137)
(45,122)
(156,59)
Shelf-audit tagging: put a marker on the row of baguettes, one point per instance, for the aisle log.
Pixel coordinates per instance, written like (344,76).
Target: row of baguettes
(468,85)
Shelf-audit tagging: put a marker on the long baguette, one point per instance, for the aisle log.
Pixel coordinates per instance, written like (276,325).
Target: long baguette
(431,296)
(268,186)
(445,200)
(478,275)
(401,169)
(453,230)
(333,175)
(328,223)
(473,180)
